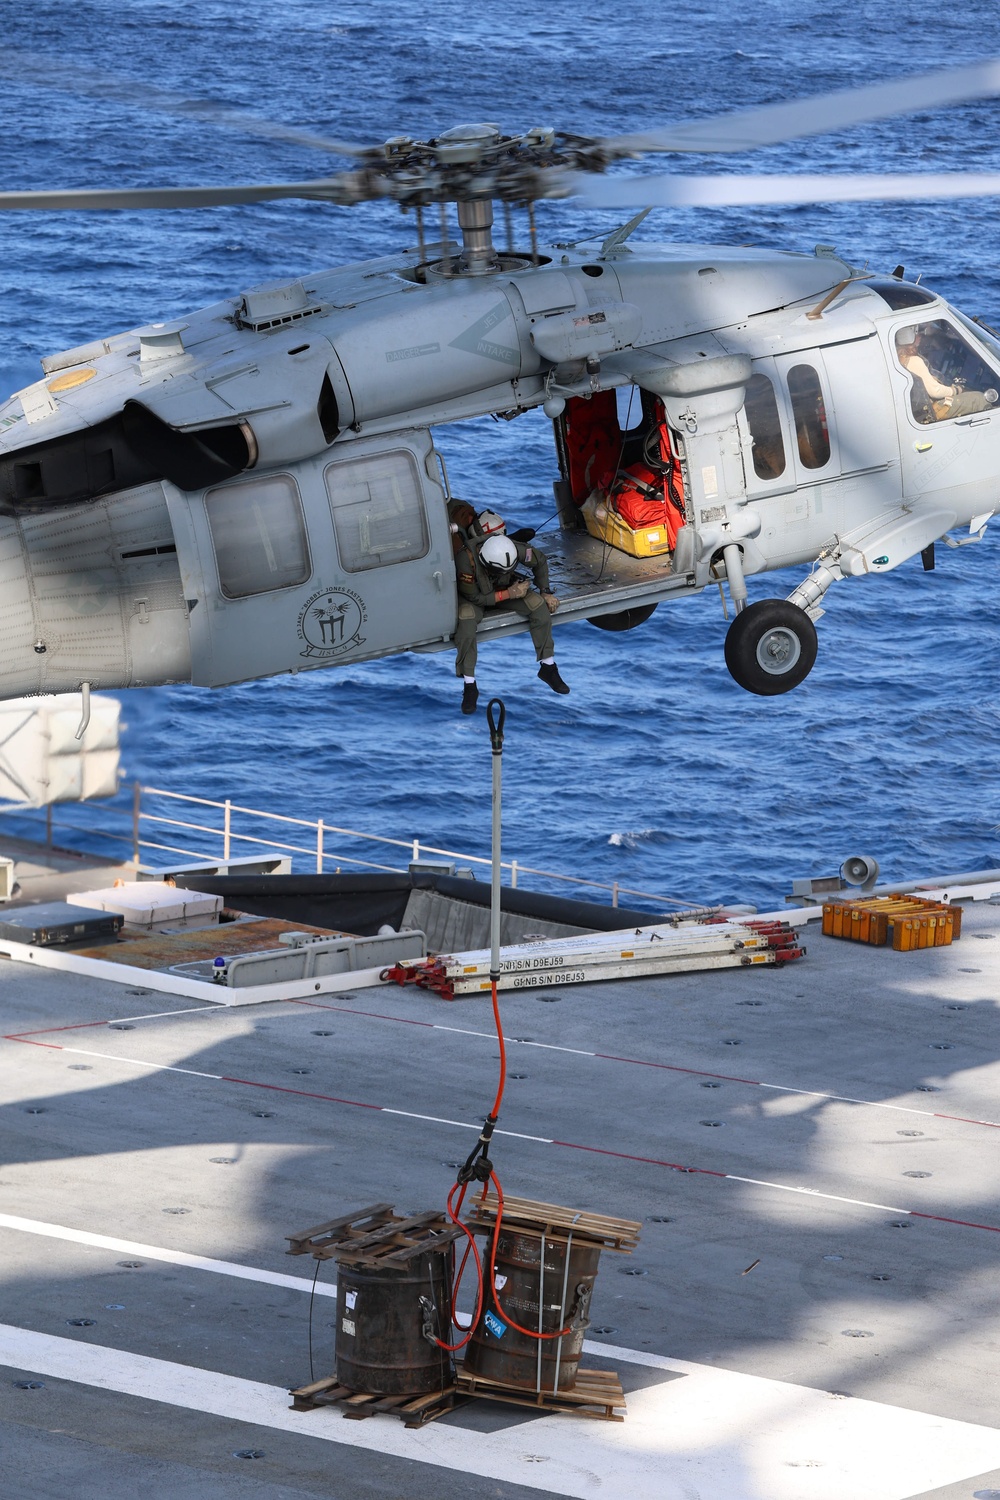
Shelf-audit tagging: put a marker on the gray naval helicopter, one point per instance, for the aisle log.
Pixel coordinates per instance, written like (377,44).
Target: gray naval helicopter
(255,489)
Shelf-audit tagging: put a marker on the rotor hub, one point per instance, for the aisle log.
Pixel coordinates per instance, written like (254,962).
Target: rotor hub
(465,144)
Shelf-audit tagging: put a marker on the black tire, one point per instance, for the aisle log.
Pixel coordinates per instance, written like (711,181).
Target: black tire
(771,647)
(626,619)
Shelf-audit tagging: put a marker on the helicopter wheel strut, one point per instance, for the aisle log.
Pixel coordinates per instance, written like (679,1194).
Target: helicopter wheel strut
(771,647)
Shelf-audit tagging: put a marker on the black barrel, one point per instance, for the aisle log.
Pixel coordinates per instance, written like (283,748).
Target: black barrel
(497,1351)
(382,1316)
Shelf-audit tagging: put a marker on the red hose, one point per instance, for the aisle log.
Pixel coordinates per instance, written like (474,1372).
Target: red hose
(495,1111)
(454,1209)
(453,1212)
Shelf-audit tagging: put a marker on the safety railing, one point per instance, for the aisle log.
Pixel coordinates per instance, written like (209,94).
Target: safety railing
(231,837)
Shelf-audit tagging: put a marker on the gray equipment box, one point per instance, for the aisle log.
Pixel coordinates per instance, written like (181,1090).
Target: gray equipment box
(303,956)
(48,923)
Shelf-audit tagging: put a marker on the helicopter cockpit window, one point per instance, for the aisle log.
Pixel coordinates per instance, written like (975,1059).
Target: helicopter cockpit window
(948,377)
(259,536)
(809,412)
(981,332)
(378,511)
(761,409)
(899,294)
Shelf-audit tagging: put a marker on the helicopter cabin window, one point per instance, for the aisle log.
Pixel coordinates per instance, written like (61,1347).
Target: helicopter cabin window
(809,413)
(948,377)
(900,294)
(761,407)
(378,511)
(259,536)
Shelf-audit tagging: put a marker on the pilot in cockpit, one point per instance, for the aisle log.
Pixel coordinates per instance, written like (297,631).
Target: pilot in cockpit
(931,352)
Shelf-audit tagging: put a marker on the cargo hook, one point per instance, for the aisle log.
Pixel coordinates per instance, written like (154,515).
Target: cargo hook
(85,707)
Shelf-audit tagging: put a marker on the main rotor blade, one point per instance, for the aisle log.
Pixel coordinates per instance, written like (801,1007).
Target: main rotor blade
(340,189)
(748,129)
(662,191)
(74,78)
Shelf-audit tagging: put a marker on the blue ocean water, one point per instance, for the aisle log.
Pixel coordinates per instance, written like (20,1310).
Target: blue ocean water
(657,770)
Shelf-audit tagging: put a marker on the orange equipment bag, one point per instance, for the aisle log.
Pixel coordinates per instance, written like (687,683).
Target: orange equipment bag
(645,498)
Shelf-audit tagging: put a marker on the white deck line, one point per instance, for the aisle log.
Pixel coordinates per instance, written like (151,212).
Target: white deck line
(136,1251)
(383,1109)
(710,1433)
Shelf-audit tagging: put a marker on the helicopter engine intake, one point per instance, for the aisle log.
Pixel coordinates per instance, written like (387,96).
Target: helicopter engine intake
(133,448)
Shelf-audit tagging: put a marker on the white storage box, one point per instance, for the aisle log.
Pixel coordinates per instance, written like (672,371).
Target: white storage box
(153,903)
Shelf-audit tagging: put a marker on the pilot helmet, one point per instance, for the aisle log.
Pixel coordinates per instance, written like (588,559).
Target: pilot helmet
(907,335)
(498,553)
(490,524)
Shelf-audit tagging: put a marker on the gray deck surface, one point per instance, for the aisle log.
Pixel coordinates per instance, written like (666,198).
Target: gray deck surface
(119,1145)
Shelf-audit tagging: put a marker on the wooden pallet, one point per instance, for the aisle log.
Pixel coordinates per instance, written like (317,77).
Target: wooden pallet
(375,1236)
(596,1393)
(557,1222)
(413,1411)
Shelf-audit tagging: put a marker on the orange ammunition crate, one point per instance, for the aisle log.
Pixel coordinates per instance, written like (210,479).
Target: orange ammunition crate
(905,921)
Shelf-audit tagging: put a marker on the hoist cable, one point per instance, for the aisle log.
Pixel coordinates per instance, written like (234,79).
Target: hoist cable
(477,1166)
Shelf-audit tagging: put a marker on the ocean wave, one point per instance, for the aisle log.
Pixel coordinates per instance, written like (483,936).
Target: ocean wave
(635,838)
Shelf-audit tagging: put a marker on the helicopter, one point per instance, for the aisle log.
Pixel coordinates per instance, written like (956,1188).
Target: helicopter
(255,489)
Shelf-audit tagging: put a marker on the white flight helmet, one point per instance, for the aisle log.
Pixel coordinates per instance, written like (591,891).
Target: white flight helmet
(490,524)
(499,552)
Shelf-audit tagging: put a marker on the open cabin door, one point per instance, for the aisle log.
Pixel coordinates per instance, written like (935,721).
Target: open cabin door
(338,558)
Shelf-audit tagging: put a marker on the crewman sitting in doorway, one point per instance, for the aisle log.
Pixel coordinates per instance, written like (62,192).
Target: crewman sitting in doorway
(486,560)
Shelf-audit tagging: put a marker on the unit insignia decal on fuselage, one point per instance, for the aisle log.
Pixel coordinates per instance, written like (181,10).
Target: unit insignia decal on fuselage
(330,623)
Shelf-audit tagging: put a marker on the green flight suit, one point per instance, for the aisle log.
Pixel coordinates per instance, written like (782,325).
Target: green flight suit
(477,592)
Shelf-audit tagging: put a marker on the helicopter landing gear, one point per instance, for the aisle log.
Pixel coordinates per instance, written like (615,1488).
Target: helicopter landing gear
(771,647)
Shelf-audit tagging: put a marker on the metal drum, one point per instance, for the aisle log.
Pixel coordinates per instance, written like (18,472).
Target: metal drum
(383,1318)
(497,1351)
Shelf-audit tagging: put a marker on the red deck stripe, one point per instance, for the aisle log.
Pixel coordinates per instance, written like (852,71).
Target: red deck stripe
(915,1213)
(17,1036)
(964,1120)
(284,1088)
(653,1161)
(641,1062)
(377,1015)
(638,1062)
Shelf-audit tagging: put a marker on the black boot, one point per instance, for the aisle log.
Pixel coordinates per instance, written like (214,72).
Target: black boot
(470,698)
(550,676)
